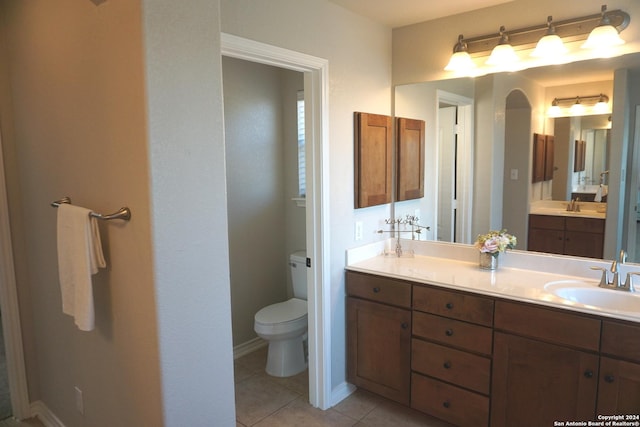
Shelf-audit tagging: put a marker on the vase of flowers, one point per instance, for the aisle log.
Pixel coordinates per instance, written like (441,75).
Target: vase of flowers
(491,245)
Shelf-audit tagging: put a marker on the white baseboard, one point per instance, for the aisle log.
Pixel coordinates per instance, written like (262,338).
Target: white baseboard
(248,347)
(341,392)
(44,414)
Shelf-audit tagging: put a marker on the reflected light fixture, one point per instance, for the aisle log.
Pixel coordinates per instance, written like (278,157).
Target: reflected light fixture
(503,56)
(579,106)
(577,109)
(550,46)
(460,60)
(552,42)
(604,36)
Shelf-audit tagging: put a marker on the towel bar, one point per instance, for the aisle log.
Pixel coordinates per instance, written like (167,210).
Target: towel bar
(123,213)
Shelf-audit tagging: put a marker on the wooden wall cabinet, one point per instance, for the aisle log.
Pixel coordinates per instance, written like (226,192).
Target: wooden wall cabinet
(410,154)
(373,151)
(576,236)
(543,157)
(579,156)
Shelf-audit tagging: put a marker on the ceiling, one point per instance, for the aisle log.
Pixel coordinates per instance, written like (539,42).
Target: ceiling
(398,13)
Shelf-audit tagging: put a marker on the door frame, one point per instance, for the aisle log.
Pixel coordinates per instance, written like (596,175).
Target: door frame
(465,158)
(316,84)
(11,325)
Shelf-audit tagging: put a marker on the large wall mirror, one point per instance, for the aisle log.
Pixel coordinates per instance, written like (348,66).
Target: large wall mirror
(479,142)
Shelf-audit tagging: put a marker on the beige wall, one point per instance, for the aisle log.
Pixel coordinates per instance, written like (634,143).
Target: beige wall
(261,162)
(76,81)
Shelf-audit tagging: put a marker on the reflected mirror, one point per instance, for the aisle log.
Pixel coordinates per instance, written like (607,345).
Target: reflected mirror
(474,164)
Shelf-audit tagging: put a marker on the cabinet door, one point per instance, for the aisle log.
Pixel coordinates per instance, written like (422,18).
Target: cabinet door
(410,158)
(548,157)
(583,244)
(543,240)
(535,383)
(379,348)
(372,166)
(619,391)
(538,157)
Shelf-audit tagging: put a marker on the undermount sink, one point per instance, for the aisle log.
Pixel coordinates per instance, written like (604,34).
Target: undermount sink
(588,293)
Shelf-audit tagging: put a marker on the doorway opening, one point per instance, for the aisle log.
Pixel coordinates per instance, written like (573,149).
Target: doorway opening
(315,72)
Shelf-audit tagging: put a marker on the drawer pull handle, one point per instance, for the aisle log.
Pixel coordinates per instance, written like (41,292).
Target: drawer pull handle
(449,305)
(404,325)
(588,373)
(446,404)
(376,290)
(447,365)
(448,332)
(609,378)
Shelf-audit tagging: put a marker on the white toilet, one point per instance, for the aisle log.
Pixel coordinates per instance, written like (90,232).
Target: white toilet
(284,325)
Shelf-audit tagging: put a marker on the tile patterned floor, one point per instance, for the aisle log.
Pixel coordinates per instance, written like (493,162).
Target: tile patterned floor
(266,401)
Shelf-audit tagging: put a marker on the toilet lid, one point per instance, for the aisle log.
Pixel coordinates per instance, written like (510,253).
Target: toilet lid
(282,312)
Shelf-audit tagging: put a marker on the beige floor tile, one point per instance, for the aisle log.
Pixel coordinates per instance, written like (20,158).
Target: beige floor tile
(254,362)
(301,413)
(298,383)
(257,397)
(392,414)
(358,404)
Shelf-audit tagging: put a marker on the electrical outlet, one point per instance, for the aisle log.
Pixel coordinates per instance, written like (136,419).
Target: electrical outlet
(358,233)
(79,400)
(514,174)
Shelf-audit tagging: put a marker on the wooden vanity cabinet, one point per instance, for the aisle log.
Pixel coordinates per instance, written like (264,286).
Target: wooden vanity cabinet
(545,366)
(379,335)
(577,236)
(451,355)
(619,391)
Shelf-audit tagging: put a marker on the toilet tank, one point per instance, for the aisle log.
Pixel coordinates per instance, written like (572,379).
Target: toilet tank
(298,266)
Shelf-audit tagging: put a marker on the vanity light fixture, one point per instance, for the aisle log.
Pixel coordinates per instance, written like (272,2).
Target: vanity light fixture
(503,56)
(604,36)
(579,106)
(550,46)
(553,42)
(460,60)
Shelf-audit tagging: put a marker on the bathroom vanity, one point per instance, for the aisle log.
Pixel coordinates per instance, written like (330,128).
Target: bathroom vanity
(498,348)
(554,229)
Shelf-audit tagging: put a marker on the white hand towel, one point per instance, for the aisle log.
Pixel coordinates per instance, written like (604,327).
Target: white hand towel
(598,196)
(79,256)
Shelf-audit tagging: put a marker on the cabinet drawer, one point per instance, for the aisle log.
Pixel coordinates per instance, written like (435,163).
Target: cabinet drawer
(447,402)
(379,289)
(454,366)
(589,225)
(548,325)
(455,305)
(548,222)
(451,332)
(621,339)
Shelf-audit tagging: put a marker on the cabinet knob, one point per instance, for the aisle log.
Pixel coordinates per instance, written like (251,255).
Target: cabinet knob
(446,404)
(448,332)
(447,365)
(376,290)
(609,378)
(588,373)
(449,305)
(404,325)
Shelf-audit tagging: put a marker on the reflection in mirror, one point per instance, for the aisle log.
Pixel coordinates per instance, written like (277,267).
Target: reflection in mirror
(490,174)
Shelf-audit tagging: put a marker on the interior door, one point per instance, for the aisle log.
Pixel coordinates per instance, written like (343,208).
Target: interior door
(447,165)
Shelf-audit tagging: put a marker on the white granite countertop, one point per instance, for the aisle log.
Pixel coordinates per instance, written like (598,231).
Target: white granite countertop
(521,277)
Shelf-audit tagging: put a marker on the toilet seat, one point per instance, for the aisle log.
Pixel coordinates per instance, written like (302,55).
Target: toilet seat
(282,317)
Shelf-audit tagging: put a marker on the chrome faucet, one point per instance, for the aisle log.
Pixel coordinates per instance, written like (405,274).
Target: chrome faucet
(574,205)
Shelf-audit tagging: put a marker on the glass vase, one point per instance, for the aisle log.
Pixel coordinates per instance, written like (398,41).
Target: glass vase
(488,261)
